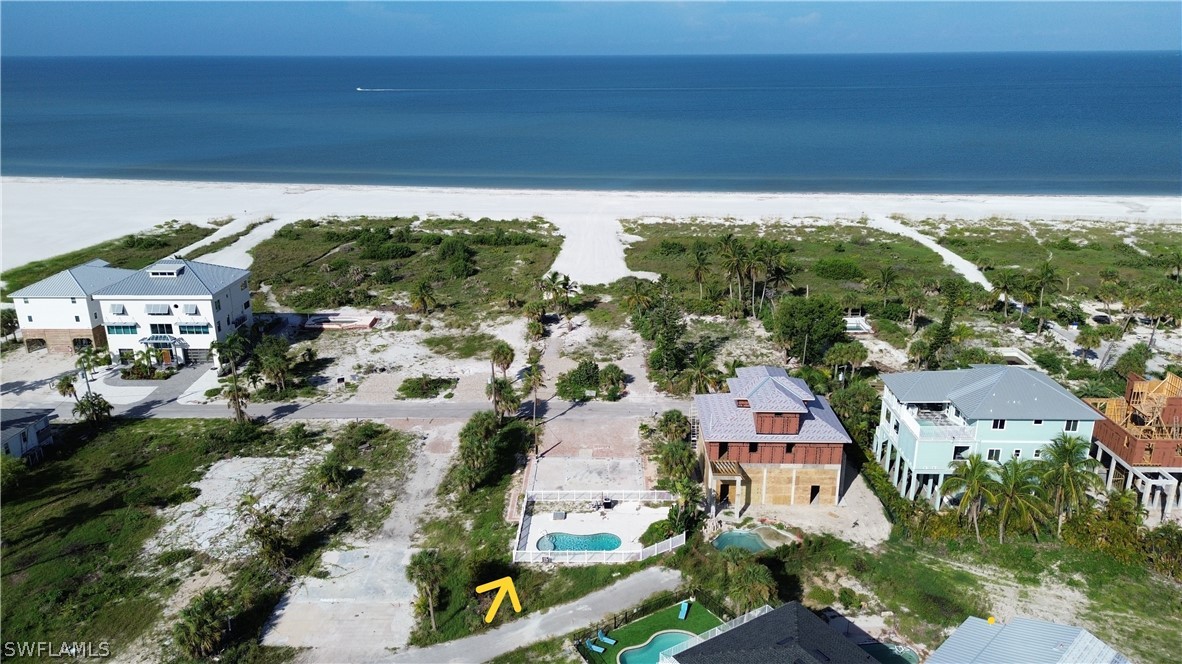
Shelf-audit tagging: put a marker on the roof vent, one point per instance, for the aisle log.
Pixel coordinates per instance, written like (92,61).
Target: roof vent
(786,641)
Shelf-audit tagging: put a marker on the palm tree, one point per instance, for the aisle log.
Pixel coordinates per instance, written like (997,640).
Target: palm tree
(1046,279)
(752,585)
(972,478)
(1171,259)
(1005,284)
(230,350)
(65,387)
(735,557)
(639,298)
(505,399)
(8,322)
(422,298)
(426,571)
(701,376)
(93,407)
(1015,493)
(885,282)
(200,629)
(850,300)
(1088,340)
(1068,474)
(733,260)
(700,269)
(534,380)
(501,357)
(86,362)
(776,274)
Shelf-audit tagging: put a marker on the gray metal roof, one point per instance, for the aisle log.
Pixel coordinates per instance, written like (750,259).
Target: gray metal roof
(78,281)
(721,420)
(1023,640)
(15,420)
(193,278)
(789,635)
(993,391)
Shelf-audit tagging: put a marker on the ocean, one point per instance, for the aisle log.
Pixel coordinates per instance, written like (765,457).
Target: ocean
(1063,123)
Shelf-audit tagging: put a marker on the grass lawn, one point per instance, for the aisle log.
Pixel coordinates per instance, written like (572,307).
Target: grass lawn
(698,620)
(131,252)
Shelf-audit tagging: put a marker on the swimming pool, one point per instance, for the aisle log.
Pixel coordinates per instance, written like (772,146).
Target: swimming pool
(744,539)
(889,653)
(649,652)
(568,542)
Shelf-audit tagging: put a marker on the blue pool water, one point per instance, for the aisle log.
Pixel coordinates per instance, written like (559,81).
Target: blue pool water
(744,539)
(568,542)
(648,653)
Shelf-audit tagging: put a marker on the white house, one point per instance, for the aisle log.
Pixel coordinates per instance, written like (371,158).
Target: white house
(177,306)
(58,312)
(931,418)
(25,431)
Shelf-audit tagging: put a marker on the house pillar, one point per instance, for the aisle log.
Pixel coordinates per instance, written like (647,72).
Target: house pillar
(877,446)
(1111,470)
(913,486)
(1129,480)
(1145,495)
(937,497)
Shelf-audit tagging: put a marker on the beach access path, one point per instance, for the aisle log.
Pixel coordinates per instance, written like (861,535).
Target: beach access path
(552,623)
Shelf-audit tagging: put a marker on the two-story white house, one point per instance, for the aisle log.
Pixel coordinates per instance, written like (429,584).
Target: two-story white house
(931,418)
(58,313)
(177,306)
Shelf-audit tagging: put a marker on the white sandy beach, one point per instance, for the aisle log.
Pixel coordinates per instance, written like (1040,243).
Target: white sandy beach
(44,217)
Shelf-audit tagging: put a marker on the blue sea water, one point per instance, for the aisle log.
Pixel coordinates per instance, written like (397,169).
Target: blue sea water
(971,123)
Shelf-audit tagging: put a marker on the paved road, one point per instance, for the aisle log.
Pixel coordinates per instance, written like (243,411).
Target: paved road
(549,624)
(403,409)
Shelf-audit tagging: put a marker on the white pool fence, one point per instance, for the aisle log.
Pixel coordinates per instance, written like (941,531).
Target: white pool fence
(667,656)
(522,554)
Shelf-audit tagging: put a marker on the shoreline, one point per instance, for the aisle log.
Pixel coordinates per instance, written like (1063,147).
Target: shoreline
(45,217)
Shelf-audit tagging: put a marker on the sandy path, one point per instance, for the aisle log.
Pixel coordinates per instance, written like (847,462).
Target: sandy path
(964,267)
(366,605)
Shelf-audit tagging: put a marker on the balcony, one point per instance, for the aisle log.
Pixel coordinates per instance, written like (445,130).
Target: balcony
(932,425)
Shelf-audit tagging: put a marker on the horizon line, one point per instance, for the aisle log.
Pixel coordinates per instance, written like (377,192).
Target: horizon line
(578,55)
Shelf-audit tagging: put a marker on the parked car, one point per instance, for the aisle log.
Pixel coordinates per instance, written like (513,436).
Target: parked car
(1101,319)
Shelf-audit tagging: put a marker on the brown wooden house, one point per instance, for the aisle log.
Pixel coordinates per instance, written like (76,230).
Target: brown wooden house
(770,441)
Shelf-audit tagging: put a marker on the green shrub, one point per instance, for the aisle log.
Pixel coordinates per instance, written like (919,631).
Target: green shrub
(820,596)
(426,387)
(849,598)
(574,384)
(1049,360)
(213,392)
(174,556)
(838,269)
(890,332)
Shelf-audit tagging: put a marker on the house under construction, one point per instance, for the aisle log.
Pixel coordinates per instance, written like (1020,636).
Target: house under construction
(1139,441)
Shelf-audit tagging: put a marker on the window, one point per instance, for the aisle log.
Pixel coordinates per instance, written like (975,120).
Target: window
(77,319)
(194,329)
(753,448)
(73,300)
(96,315)
(999,425)
(30,318)
(118,310)
(217,305)
(1038,454)
(161,328)
(246,304)
(1038,423)
(158,310)
(1071,425)
(1017,454)
(190,310)
(242,286)
(888,417)
(26,300)
(723,448)
(994,455)
(219,328)
(121,329)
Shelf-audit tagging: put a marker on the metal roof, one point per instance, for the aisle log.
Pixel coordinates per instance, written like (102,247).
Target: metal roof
(15,420)
(721,420)
(791,634)
(1023,640)
(192,278)
(78,281)
(993,391)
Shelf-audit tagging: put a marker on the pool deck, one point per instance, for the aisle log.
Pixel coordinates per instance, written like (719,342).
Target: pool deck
(628,521)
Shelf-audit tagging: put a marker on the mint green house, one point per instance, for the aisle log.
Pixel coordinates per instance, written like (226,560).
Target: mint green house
(931,418)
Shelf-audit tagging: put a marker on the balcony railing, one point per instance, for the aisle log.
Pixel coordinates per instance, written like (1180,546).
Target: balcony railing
(931,432)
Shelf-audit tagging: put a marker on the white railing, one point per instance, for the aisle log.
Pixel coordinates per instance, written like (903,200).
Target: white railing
(594,557)
(667,656)
(597,494)
(947,433)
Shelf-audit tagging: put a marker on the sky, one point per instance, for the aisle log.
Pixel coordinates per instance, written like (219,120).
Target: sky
(487,28)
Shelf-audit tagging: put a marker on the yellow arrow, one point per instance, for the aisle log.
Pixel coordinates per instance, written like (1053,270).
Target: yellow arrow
(503,586)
